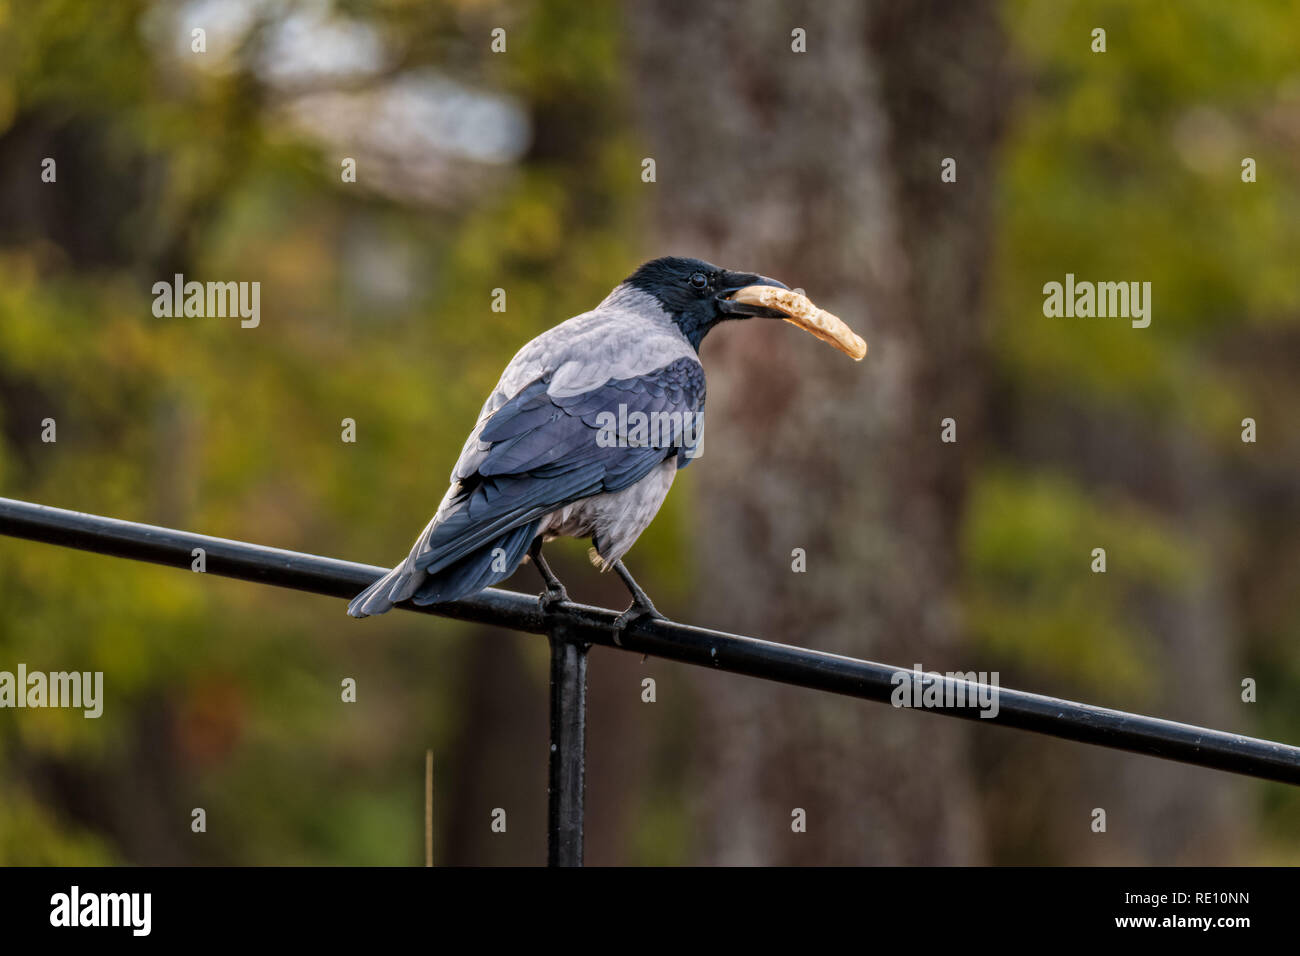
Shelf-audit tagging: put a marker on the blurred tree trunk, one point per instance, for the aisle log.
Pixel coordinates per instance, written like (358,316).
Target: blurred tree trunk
(823,169)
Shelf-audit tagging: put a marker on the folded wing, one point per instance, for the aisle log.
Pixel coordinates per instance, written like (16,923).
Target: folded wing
(540,451)
(543,448)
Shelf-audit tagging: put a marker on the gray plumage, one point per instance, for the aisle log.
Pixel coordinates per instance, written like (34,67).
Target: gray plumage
(533,465)
(562,445)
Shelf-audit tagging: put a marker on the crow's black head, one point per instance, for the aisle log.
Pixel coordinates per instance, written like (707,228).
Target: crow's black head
(697,293)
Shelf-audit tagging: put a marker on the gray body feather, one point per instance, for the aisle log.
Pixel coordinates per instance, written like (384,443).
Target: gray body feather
(533,465)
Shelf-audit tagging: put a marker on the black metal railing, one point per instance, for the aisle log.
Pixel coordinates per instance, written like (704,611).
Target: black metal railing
(573,628)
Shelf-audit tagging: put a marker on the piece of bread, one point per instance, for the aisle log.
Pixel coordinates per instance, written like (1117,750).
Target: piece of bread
(799,310)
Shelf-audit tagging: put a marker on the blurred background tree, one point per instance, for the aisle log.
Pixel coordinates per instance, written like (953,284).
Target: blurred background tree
(521,171)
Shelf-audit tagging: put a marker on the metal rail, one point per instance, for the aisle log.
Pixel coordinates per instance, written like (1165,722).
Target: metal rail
(572,628)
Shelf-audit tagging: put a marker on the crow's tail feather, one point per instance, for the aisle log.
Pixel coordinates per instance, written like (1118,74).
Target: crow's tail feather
(374,599)
(481,568)
(493,562)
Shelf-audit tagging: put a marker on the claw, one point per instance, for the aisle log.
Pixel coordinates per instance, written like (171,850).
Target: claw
(638,610)
(551,597)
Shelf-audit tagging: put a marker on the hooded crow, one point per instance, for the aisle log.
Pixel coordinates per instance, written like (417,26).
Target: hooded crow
(584,432)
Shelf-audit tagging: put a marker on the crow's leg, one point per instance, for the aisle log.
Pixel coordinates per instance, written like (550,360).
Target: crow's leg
(642,606)
(555,593)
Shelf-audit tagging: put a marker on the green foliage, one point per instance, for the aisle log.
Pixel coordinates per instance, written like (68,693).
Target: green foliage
(1033,599)
(30,835)
(1126,165)
(229,692)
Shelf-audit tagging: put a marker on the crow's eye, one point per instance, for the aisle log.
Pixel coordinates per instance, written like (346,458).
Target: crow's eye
(699,280)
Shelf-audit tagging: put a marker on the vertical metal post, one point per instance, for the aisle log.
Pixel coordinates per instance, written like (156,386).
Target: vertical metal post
(568,748)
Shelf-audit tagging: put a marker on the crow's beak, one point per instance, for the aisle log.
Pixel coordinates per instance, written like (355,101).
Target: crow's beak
(736,281)
(772,299)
